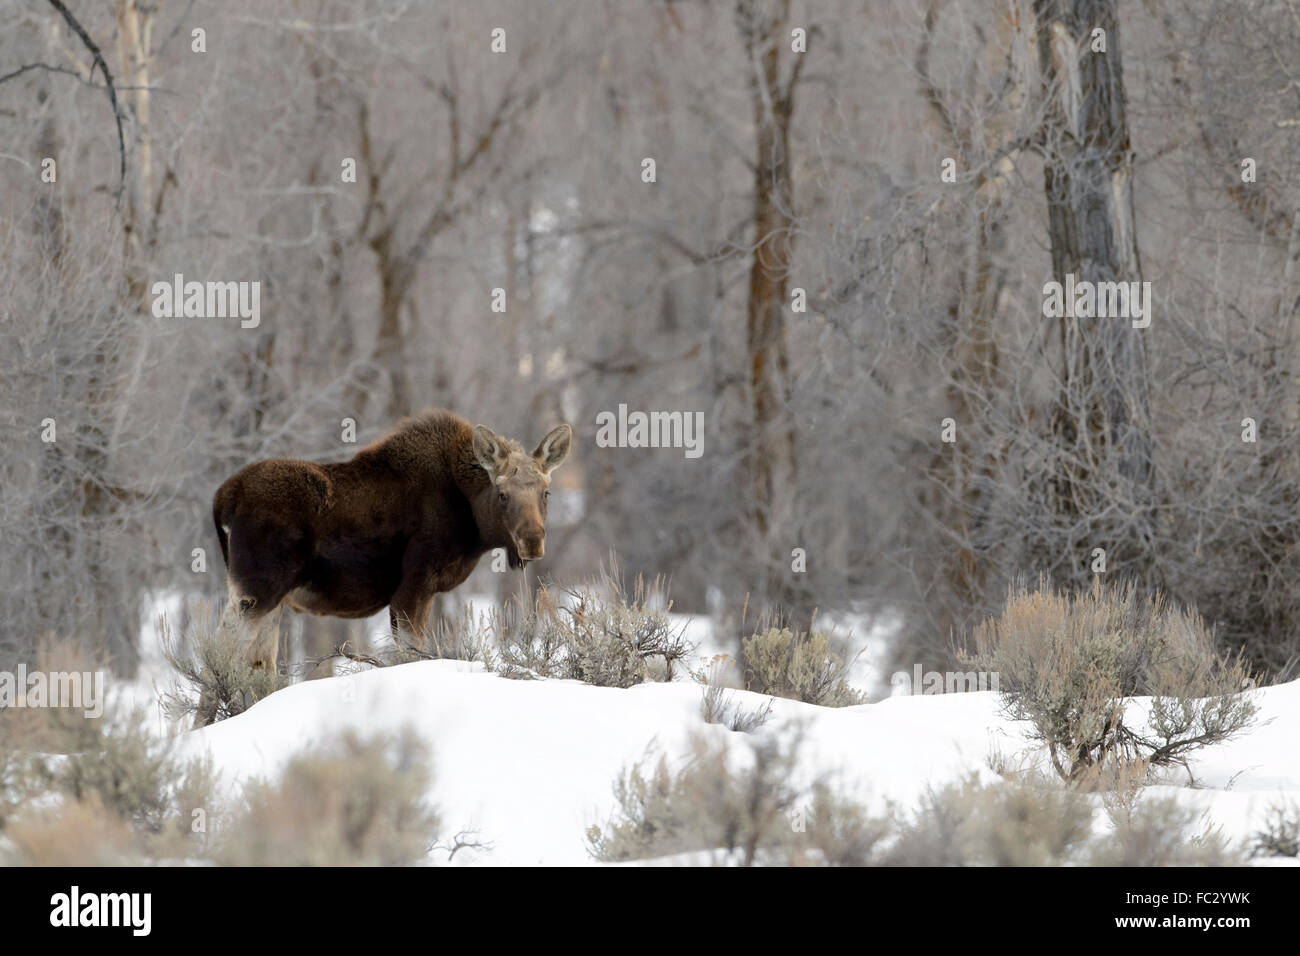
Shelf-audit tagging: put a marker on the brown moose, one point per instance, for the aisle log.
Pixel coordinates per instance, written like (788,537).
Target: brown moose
(407,518)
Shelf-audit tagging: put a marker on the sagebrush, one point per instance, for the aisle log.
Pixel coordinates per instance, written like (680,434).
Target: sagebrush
(217,680)
(1067,661)
(599,633)
(799,665)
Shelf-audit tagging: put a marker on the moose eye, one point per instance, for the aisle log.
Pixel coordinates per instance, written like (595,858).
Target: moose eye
(546,494)
(501,497)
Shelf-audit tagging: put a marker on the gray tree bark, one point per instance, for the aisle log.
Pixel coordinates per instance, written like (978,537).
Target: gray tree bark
(1100,423)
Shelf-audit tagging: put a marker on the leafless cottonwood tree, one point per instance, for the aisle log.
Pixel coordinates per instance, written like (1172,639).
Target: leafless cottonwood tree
(1101,422)
(520,169)
(763,28)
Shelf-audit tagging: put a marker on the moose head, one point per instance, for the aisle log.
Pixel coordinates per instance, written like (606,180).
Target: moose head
(521,483)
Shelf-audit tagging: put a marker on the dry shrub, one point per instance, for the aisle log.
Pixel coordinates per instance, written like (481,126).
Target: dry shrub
(837,831)
(216,679)
(597,633)
(704,806)
(718,704)
(46,728)
(109,773)
(360,802)
(69,833)
(1159,831)
(1281,833)
(466,636)
(797,665)
(750,812)
(1009,824)
(14,782)
(1036,822)
(129,799)
(112,762)
(1067,661)
(61,768)
(117,764)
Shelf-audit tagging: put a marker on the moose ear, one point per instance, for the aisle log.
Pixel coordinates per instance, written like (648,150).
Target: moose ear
(554,448)
(488,449)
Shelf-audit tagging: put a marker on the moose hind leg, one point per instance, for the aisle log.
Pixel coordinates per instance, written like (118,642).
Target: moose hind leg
(246,620)
(266,563)
(264,648)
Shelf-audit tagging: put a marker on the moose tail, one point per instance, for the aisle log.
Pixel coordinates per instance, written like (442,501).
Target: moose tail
(218,507)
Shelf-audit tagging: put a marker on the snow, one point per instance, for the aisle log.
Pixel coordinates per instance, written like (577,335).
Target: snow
(529,764)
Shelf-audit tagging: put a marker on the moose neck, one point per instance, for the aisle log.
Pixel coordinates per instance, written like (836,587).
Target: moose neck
(479,491)
(491,531)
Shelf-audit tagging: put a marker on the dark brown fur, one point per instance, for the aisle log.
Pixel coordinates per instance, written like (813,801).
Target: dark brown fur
(407,518)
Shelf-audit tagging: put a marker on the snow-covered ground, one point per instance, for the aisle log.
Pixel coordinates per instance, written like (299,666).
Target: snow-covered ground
(529,764)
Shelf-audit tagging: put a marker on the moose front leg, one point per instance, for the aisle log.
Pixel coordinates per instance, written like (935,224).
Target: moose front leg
(408,614)
(409,609)
(426,573)
(410,621)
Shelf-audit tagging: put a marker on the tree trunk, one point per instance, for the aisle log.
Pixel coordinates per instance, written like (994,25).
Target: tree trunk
(1100,423)
(772,449)
(970,344)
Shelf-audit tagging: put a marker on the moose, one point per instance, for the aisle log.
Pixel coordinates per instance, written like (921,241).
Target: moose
(407,518)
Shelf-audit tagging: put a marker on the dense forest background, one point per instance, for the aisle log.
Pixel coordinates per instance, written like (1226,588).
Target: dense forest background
(853,212)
